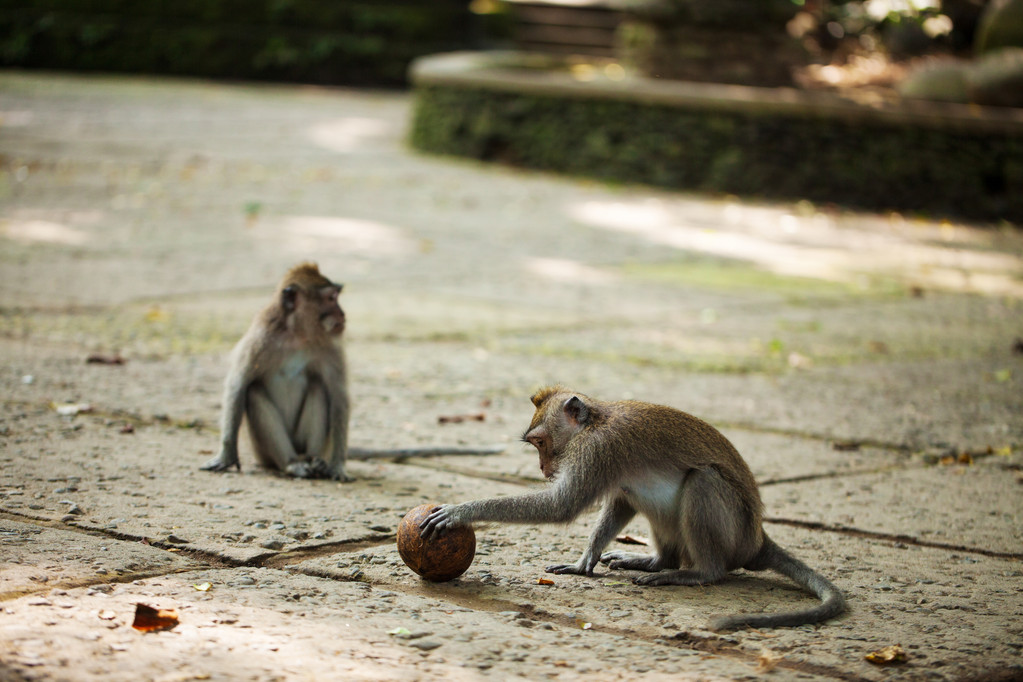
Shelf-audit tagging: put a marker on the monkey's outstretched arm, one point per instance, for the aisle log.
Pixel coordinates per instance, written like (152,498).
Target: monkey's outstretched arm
(614,515)
(541,507)
(563,501)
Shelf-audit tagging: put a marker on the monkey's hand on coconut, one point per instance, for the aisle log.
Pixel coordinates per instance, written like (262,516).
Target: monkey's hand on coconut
(225,460)
(441,519)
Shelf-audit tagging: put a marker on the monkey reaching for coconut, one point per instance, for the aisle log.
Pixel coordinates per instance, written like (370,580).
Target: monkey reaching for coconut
(680,472)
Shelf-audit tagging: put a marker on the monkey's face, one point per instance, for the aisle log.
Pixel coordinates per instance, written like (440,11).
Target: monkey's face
(539,439)
(559,416)
(332,318)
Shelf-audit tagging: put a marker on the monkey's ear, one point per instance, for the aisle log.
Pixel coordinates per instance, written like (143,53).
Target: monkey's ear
(288,296)
(576,410)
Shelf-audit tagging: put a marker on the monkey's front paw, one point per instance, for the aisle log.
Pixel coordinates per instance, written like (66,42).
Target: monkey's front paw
(221,462)
(569,569)
(335,473)
(561,569)
(587,562)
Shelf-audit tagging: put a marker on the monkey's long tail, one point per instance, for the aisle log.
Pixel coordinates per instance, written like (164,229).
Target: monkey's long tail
(774,557)
(401,453)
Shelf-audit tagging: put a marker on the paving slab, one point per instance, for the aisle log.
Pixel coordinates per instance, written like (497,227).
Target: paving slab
(867,366)
(972,511)
(271,624)
(39,558)
(938,605)
(153,489)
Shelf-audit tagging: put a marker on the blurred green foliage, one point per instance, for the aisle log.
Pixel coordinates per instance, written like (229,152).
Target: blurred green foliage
(315,41)
(905,167)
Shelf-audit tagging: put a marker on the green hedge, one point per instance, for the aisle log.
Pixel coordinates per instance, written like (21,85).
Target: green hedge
(872,165)
(318,41)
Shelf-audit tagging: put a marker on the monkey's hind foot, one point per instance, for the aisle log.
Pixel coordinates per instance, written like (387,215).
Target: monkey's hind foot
(630,561)
(314,468)
(682,577)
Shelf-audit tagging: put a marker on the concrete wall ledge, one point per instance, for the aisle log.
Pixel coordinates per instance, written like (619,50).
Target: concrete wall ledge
(590,117)
(535,74)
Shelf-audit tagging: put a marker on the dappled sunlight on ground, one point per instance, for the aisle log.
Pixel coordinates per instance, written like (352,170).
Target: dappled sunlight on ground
(564,270)
(334,234)
(841,248)
(48,226)
(42,231)
(348,134)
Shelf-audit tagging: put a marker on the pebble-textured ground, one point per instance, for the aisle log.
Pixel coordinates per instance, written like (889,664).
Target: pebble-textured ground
(868,367)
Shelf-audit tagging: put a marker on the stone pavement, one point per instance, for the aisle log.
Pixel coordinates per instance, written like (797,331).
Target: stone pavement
(868,367)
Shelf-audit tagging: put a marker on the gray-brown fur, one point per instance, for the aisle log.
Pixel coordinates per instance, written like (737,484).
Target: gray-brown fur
(287,380)
(680,472)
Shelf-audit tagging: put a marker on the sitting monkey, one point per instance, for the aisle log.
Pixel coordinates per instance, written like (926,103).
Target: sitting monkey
(288,380)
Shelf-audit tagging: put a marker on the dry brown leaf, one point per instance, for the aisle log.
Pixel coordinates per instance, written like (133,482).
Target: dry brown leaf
(100,359)
(459,418)
(888,655)
(768,661)
(632,540)
(148,619)
(156,314)
(964,458)
(879,347)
